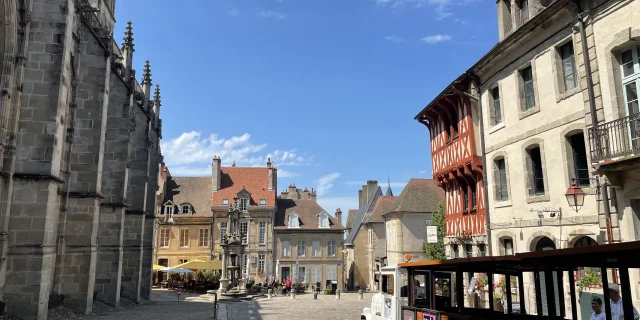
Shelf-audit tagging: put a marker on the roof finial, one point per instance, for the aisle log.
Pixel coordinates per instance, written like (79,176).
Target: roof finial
(234,163)
(156,96)
(128,37)
(389,193)
(146,77)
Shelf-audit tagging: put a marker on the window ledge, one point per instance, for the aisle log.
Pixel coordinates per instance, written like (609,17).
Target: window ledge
(503,204)
(532,111)
(567,94)
(538,198)
(496,127)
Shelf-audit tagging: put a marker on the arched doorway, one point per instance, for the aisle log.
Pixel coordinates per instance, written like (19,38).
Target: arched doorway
(584,241)
(546,244)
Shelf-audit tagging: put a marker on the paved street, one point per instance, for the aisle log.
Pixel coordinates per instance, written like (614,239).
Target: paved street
(164,305)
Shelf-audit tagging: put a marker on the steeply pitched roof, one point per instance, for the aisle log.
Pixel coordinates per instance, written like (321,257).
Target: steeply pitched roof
(362,213)
(382,207)
(307,211)
(255,180)
(350,216)
(192,190)
(420,195)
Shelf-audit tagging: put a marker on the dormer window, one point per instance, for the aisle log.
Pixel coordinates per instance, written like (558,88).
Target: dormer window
(186,209)
(323,220)
(263,202)
(168,209)
(294,221)
(244,203)
(225,201)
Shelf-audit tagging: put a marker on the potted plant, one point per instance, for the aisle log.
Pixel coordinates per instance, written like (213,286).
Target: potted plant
(591,278)
(497,301)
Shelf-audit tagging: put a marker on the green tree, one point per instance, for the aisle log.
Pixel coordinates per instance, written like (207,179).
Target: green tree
(435,251)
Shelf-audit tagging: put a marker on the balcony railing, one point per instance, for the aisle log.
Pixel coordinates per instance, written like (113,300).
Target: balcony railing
(615,139)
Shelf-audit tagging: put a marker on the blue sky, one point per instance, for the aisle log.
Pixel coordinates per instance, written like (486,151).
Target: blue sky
(327,88)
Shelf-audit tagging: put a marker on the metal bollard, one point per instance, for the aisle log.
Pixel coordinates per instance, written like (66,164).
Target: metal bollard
(269,293)
(337,294)
(315,295)
(293,294)
(360,297)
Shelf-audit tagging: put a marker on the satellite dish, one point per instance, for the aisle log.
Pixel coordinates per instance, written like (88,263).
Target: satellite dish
(545,3)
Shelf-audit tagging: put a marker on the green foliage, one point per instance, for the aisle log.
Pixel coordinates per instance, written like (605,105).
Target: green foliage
(435,251)
(590,278)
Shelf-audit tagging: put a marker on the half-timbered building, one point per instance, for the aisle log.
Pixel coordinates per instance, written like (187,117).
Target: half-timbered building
(452,120)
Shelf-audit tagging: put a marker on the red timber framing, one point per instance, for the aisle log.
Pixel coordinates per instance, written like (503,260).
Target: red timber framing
(456,166)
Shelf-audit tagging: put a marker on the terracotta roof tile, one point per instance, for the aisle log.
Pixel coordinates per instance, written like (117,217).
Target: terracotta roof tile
(307,211)
(193,190)
(255,180)
(419,195)
(382,207)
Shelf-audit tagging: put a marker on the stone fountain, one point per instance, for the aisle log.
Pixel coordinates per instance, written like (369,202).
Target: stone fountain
(232,282)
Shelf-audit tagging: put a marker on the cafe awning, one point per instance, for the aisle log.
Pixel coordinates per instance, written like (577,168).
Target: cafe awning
(201,265)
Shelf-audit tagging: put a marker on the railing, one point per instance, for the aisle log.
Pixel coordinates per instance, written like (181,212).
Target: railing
(615,139)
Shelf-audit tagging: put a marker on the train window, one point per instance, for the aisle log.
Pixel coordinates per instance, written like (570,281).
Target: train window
(387,284)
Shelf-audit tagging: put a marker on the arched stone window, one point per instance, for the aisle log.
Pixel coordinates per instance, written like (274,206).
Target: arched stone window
(584,241)
(545,244)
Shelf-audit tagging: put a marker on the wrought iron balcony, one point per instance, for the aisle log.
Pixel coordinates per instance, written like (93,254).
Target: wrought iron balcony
(615,140)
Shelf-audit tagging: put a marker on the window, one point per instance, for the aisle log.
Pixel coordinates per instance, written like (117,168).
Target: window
(524,12)
(568,66)
(630,68)
(203,238)
(482,249)
(261,263)
(331,249)
(164,238)
(508,246)
(387,284)
(473,197)
(302,275)
(286,249)
(455,124)
(262,228)
(502,192)
(184,238)
(181,261)
(465,191)
(223,230)
(294,222)
(301,248)
(244,228)
(579,157)
(169,210)
(186,209)
(536,173)
(529,92)
(225,201)
(456,251)
(315,248)
(468,250)
(243,204)
(496,114)
(332,272)
(323,221)
(263,202)
(315,275)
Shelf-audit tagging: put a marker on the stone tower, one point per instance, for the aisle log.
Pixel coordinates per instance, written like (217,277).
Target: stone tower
(79,137)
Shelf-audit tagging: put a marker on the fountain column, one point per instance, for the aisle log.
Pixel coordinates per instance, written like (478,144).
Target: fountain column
(224,280)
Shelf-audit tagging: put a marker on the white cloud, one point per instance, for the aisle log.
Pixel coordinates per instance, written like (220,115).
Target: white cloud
(286,174)
(272,14)
(383,184)
(422,172)
(436,38)
(234,12)
(394,38)
(442,8)
(462,21)
(191,154)
(325,183)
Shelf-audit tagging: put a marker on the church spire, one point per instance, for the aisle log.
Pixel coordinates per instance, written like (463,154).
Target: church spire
(146,77)
(128,37)
(389,193)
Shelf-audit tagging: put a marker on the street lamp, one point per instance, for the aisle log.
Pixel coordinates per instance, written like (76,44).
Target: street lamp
(575,196)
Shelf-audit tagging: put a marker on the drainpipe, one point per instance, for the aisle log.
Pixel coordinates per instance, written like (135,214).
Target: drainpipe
(587,67)
(476,82)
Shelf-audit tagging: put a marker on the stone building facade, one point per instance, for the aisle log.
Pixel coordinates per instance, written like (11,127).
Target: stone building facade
(407,218)
(256,190)
(376,245)
(79,138)
(309,238)
(298,194)
(184,221)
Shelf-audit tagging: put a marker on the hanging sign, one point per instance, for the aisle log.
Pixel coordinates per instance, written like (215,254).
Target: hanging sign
(432,234)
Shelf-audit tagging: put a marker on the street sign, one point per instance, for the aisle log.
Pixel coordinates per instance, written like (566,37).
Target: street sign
(432,234)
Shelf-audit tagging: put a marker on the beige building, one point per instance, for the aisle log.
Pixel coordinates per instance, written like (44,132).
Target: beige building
(308,237)
(375,247)
(184,224)
(407,218)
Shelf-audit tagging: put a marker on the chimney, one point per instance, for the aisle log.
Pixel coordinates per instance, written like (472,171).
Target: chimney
(273,178)
(339,216)
(359,199)
(313,196)
(216,173)
(268,162)
(292,188)
(371,185)
(305,194)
